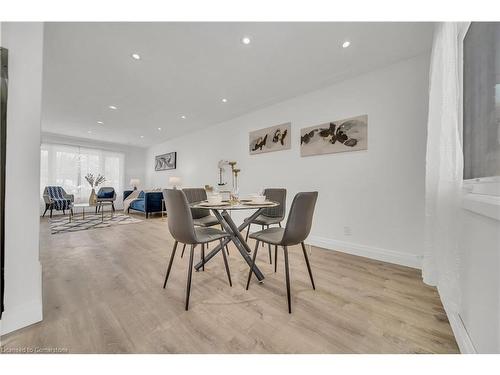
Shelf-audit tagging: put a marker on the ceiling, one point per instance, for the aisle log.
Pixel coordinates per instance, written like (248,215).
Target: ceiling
(186,69)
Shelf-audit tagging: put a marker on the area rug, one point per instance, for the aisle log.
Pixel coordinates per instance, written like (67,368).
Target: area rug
(91,221)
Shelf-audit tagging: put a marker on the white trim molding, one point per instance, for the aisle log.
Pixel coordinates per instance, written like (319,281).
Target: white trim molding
(483,186)
(377,253)
(17,317)
(462,337)
(486,205)
(22,315)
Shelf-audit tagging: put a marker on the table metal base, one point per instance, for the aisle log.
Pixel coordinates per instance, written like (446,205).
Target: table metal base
(235,236)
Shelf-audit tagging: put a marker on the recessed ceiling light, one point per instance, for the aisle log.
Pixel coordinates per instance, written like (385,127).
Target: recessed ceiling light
(90,132)
(100,122)
(245,40)
(159,129)
(224,100)
(113,107)
(142,136)
(346,44)
(183,117)
(136,56)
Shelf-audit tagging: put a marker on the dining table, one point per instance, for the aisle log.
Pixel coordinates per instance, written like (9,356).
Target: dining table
(222,213)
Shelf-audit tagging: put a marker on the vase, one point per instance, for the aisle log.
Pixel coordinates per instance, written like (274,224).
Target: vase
(93,198)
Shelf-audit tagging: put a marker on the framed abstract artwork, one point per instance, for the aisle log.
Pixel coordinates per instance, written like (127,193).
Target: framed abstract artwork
(166,162)
(274,138)
(337,136)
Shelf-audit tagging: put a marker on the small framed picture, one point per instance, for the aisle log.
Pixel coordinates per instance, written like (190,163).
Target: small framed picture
(166,161)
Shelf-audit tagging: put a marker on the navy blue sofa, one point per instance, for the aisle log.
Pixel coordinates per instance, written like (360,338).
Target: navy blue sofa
(147,202)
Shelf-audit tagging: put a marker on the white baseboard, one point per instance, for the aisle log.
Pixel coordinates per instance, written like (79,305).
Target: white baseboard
(17,317)
(464,341)
(461,335)
(385,255)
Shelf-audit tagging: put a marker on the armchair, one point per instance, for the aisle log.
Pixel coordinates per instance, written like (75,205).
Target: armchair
(106,194)
(56,198)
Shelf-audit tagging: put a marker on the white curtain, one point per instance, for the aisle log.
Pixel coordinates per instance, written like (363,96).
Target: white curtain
(444,166)
(66,166)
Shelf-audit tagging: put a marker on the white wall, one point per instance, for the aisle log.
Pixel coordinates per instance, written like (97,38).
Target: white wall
(477,327)
(378,193)
(23,288)
(135,157)
(480,280)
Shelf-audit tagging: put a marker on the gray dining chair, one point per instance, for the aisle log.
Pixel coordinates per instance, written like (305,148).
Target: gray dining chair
(272,215)
(182,229)
(201,216)
(298,227)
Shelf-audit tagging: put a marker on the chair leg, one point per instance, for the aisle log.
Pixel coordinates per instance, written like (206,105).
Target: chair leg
(96,210)
(270,252)
(253,263)
(203,256)
(113,206)
(51,212)
(308,265)
(262,242)
(248,232)
(190,272)
(226,264)
(64,212)
(170,264)
(279,224)
(44,212)
(287,276)
(183,248)
(275,258)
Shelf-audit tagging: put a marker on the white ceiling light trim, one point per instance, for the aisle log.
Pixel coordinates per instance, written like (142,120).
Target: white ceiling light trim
(346,44)
(245,40)
(136,56)
(113,107)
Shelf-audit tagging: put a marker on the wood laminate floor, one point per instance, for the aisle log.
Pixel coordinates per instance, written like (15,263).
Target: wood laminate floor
(102,293)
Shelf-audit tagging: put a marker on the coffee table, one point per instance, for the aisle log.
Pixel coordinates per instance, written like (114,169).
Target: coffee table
(83,206)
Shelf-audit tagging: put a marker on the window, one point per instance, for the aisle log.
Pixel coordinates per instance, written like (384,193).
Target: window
(67,166)
(481,115)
